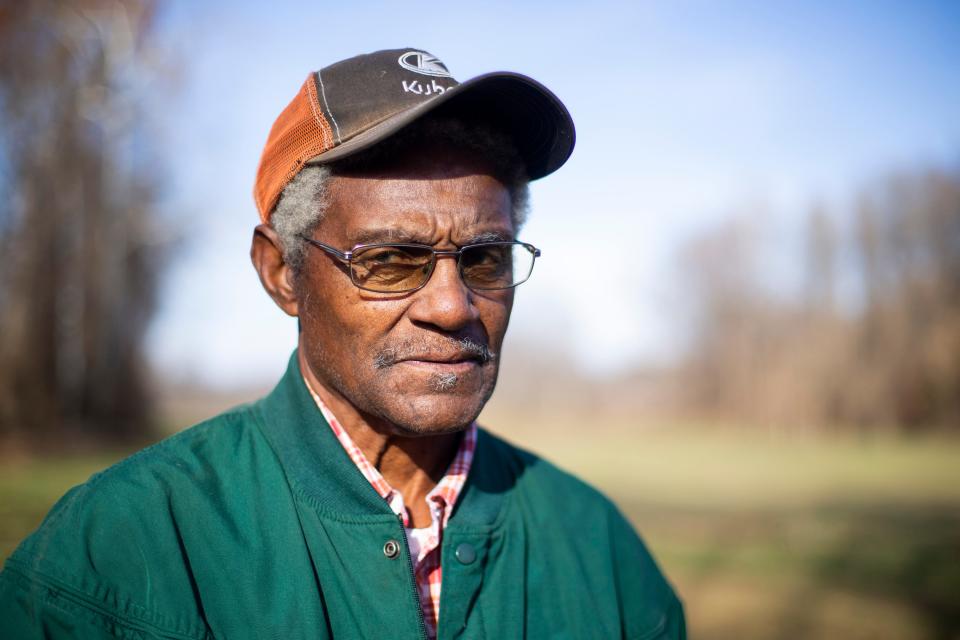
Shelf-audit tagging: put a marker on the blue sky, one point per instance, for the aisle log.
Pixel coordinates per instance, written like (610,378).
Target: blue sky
(686,113)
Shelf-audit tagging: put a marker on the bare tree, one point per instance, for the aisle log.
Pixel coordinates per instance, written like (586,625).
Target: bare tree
(893,362)
(909,338)
(78,225)
(821,261)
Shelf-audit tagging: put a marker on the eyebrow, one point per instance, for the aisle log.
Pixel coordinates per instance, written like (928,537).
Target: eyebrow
(489,236)
(375,236)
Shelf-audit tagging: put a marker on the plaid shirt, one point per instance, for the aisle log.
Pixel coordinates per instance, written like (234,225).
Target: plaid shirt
(424,543)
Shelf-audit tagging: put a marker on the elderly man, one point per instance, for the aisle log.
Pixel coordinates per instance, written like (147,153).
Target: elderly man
(360,499)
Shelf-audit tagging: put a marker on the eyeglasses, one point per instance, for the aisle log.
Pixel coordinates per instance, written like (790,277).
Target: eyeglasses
(402,268)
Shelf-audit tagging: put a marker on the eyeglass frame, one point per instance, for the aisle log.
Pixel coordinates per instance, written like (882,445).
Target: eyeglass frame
(347,258)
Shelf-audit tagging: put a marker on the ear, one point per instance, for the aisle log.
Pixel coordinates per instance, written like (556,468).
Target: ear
(276,276)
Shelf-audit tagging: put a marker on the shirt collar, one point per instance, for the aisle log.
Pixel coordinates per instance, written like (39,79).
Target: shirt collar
(447,491)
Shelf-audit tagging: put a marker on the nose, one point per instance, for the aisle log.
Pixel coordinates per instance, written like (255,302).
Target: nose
(445,301)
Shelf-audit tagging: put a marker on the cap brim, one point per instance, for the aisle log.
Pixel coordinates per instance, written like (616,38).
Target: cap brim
(527,111)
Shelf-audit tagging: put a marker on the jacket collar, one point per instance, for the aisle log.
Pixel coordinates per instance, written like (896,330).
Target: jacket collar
(319,469)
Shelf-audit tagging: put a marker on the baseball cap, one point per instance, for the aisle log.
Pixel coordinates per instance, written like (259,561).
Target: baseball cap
(353,104)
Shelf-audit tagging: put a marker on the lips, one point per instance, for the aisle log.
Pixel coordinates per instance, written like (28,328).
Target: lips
(463,352)
(459,363)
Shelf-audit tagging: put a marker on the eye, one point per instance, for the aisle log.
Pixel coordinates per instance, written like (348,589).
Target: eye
(392,267)
(485,255)
(392,255)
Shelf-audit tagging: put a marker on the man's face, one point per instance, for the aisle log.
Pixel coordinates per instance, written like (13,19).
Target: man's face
(410,359)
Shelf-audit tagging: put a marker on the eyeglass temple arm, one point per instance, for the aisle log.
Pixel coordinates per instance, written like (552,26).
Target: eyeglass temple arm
(336,252)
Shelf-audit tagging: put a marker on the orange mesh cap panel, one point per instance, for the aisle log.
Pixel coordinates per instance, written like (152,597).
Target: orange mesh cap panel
(300,133)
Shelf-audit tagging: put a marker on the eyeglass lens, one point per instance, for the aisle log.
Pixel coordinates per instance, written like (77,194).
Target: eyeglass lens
(395,268)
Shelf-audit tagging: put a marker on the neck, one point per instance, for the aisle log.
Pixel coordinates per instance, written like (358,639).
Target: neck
(411,465)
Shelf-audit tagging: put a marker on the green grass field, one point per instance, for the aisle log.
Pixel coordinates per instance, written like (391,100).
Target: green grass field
(763,537)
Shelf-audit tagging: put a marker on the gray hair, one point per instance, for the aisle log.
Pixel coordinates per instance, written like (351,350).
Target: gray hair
(303,202)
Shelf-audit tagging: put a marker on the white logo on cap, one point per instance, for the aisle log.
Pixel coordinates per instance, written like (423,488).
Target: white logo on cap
(420,62)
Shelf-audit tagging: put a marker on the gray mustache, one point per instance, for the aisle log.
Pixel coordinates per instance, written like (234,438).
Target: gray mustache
(413,349)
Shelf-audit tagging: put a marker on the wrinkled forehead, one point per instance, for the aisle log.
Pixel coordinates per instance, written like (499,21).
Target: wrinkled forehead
(422,204)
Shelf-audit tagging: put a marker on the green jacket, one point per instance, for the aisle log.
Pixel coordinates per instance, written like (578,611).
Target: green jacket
(256,524)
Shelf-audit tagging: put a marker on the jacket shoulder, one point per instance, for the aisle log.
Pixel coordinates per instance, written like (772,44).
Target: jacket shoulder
(115,544)
(551,486)
(577,524)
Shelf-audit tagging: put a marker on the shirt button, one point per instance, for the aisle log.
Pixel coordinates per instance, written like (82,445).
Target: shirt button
(391,549)
(465,553)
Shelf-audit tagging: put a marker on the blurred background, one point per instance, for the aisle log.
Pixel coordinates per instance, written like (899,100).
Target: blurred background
(745,326)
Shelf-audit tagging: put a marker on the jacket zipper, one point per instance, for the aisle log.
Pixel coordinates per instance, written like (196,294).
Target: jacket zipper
(413,576)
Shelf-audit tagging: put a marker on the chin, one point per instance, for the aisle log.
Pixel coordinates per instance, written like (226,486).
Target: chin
(427,431)
(436,413)
(425,404)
